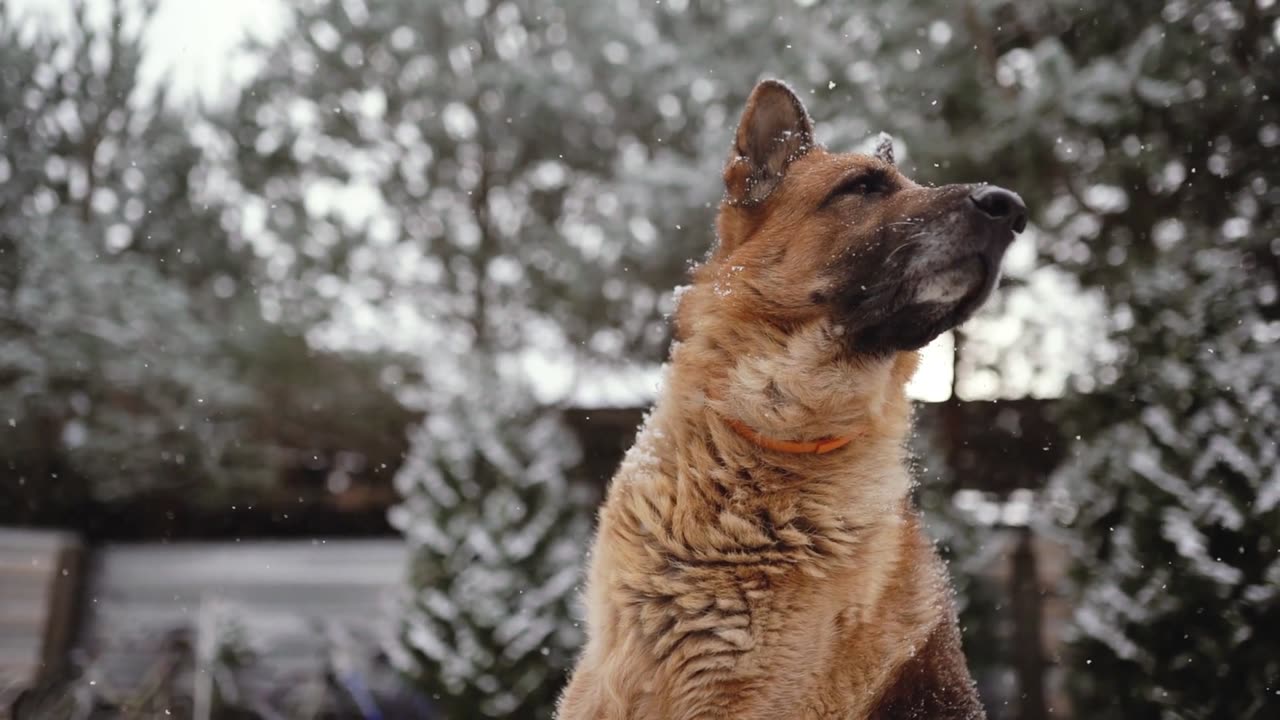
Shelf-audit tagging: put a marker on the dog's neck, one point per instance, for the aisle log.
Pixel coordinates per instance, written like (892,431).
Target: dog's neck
(803,384)
(794,386)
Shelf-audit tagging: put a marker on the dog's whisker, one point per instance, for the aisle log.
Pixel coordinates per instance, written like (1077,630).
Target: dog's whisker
(910,243)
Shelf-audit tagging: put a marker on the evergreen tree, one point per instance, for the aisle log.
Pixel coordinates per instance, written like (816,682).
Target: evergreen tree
(95,405)
(114,375)
(1176,506)
(1175,488)
(135,362)
(1153,130)
(498,533)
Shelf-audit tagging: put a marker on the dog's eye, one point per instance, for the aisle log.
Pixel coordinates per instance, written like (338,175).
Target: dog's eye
(871,182)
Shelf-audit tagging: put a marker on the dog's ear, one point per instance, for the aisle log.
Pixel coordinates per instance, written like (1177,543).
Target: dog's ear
(884,148)
(774,130)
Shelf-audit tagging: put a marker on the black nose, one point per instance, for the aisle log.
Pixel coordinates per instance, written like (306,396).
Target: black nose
(999,204)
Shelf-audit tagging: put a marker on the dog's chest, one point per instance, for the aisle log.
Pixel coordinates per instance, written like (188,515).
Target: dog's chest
(726,596)
(801,646)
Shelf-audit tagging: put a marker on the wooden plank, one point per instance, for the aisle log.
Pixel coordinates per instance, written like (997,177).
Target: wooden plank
(39,573)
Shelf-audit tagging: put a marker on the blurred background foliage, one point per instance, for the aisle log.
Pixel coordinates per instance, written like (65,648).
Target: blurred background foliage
(401,244)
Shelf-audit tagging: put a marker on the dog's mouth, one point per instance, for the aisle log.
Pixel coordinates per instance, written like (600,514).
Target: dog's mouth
(921,308)
(983,274)
(959,284)
(926,282)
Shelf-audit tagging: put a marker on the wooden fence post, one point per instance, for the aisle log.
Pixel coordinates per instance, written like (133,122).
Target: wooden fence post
(1025,594)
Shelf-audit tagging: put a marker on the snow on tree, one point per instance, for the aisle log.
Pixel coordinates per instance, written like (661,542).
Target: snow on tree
(114,375)
(1160,192)
(135,362)
(498,533)
(122,419)
(1175,507)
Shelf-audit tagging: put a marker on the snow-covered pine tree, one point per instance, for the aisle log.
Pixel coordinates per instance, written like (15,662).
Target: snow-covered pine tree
(97,407)
(115,378)
(497,531)
(1165,143)
(1177,506)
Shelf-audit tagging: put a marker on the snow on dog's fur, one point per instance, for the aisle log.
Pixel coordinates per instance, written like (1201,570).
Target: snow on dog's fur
(731,579)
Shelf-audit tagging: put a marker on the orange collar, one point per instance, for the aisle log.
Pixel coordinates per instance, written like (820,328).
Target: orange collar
(821,446)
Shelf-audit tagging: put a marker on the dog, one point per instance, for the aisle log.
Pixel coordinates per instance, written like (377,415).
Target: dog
(758,556)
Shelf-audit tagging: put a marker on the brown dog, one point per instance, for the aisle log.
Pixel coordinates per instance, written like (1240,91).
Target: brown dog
(758,556)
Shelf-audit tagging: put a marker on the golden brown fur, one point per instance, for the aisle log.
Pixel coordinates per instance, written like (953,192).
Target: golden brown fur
(729,581)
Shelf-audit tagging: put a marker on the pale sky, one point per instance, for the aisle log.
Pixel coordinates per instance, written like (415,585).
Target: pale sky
(193,42)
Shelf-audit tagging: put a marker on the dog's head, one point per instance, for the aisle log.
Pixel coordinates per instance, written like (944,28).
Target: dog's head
(808,236)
